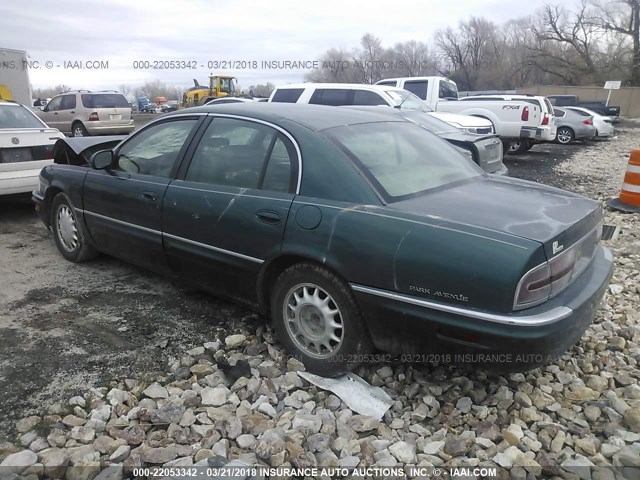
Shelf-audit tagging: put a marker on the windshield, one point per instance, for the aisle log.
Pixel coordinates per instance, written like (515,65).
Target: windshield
(401,158)
(406,100)
(429,122)
(104,100)
(448,90)
(12,116)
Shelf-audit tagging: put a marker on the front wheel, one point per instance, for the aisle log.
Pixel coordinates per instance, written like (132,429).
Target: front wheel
(69,234)
(318,321)
(565,135)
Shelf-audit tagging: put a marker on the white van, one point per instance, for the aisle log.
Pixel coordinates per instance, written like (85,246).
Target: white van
(350,94)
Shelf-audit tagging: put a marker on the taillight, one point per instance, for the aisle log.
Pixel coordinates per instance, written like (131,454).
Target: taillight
(525,114)
(587,121)
(545,119)
(93,117)
(48,152)
(534,288)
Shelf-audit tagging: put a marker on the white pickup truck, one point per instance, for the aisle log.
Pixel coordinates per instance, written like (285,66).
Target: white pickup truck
(513,120)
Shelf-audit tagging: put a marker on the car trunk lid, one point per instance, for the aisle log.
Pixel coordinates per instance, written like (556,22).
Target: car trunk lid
(18,145)
(551,216)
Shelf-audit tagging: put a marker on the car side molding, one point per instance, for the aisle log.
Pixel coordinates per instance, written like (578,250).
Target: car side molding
(545,318)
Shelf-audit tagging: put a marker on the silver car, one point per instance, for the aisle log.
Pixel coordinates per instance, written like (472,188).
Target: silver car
(572,126)
(81,113)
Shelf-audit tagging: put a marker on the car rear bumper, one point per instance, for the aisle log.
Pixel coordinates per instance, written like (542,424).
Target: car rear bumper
(18,181)
(520,341)
(99,128)
(542,134)
(585,131)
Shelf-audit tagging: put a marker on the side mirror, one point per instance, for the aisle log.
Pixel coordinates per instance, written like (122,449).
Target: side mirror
(101,160)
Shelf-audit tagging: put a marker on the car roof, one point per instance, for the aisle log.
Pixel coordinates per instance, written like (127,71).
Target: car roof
(10,102)
(314,117)
(347,86)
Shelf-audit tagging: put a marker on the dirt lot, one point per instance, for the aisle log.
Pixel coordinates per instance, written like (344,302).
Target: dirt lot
(66,327)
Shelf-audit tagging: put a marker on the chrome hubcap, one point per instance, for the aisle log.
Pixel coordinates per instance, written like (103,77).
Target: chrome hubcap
(564,136)
(514,146)
(313,320)
(67,231)
(78,132)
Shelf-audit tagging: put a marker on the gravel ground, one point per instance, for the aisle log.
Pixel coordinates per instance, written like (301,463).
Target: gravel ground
(105,364)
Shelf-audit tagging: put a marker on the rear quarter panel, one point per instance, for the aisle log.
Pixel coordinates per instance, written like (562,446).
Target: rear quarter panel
(424,257)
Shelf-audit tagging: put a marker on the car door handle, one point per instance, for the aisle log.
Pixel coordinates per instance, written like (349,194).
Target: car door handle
(55,113)
(151,196)
(268,216)
(72,111)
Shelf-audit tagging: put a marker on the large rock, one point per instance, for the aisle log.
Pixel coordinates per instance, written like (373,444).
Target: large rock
(83,434)
(404,452)
(27,424)
(155,391)
(632,418)
(17,462)
(234,341)
(55,462)
(270,443)
(215,397)
(157,455)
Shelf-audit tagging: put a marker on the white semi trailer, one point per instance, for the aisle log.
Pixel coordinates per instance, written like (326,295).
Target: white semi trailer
(14,76)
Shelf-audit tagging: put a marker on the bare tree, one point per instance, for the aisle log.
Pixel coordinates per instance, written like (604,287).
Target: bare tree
(415,57)
(623,17)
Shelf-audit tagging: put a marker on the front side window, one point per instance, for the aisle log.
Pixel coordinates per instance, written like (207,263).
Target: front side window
(54,104)
(448,90)
(331,96)
(239,153)
(402,159)
(154,151)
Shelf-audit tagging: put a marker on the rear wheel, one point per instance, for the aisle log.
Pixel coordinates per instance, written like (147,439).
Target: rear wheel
(318,321)
(565,135)
(78,130)
(521,146)
(69,234)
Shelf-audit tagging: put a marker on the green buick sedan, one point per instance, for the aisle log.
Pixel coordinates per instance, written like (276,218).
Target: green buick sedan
(355,231)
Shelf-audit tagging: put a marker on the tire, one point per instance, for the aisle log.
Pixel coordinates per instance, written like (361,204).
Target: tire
(298,299)
(78,130)
(565,136)
(516,148)
(70,235)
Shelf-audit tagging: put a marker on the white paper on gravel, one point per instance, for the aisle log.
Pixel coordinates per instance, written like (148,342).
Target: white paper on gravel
(355,392)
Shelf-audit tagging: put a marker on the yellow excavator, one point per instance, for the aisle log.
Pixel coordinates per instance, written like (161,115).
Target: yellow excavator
(219,86)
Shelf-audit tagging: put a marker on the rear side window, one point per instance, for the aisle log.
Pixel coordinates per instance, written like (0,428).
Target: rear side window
(363,97)
(68,102)
(287,95)
(417,87)
(331,96)
(558,113)
(104,100)
(581,113)
(238,153)
(391,83)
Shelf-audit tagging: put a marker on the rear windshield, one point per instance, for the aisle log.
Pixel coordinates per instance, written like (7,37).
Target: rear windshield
(402,159)
(104,100)
(17,116)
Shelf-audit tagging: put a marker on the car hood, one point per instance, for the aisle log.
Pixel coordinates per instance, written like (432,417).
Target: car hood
(464,121)
(553,217)
(78,150)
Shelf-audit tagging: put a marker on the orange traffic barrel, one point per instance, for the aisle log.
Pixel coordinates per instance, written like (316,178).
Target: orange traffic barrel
(629,200)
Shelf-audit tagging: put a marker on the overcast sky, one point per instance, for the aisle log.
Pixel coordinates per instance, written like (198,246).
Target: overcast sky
(123,31)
